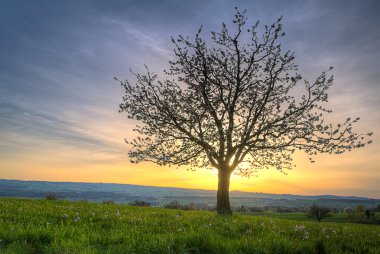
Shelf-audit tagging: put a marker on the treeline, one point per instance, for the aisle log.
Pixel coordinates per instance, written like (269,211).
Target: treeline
(361,215)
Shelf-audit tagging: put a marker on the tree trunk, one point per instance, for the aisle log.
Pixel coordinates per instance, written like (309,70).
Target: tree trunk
(223,196)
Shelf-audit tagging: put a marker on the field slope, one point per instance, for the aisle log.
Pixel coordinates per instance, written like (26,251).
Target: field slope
(39,226)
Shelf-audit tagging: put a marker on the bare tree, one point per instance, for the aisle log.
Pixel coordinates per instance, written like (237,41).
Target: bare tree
(230,105)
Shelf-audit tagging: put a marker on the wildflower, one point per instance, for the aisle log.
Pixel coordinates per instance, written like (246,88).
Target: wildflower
(65,216)
(117,212)
(299,227)
(76,219)
(178,216)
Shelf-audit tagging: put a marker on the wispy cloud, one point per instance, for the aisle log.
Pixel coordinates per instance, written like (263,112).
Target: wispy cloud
(58,61)
(25,129)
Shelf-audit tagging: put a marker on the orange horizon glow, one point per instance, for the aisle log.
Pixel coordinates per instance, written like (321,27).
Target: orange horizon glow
(329,175)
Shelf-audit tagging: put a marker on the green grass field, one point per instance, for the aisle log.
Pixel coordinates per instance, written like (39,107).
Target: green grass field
(340,217)
(39,226)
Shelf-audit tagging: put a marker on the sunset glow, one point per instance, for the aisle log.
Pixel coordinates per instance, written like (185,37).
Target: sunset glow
(59,117)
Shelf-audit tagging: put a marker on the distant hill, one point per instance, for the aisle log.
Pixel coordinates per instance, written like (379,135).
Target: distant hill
(124,193)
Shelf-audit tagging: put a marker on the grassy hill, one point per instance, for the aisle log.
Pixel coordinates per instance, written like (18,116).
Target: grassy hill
(40,226)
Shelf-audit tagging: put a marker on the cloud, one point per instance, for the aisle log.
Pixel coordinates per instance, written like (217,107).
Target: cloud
(25,129)
(58,61)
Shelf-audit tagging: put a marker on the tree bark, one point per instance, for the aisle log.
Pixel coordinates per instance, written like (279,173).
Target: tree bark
(223,196)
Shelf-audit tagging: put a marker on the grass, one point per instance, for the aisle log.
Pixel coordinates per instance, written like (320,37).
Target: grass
(40,226)
(334,217)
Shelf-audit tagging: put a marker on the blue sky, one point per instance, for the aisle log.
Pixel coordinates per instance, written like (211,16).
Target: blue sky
(59,102)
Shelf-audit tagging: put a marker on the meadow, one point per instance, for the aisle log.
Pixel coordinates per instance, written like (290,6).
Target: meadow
(41,226)
(299,216)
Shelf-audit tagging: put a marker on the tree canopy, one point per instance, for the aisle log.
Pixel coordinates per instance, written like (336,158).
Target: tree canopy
(318,212)
(230,103)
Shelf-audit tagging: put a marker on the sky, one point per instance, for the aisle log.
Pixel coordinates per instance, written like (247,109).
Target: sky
(59,118)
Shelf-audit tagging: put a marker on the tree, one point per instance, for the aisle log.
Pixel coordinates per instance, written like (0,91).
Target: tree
(229,105)
(139,203)
(318,212)
(51,196)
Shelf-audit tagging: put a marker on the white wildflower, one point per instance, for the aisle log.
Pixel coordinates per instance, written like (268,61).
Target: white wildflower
(299,227)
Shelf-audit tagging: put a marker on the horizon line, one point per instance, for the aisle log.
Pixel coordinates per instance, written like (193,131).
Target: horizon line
(315,195)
